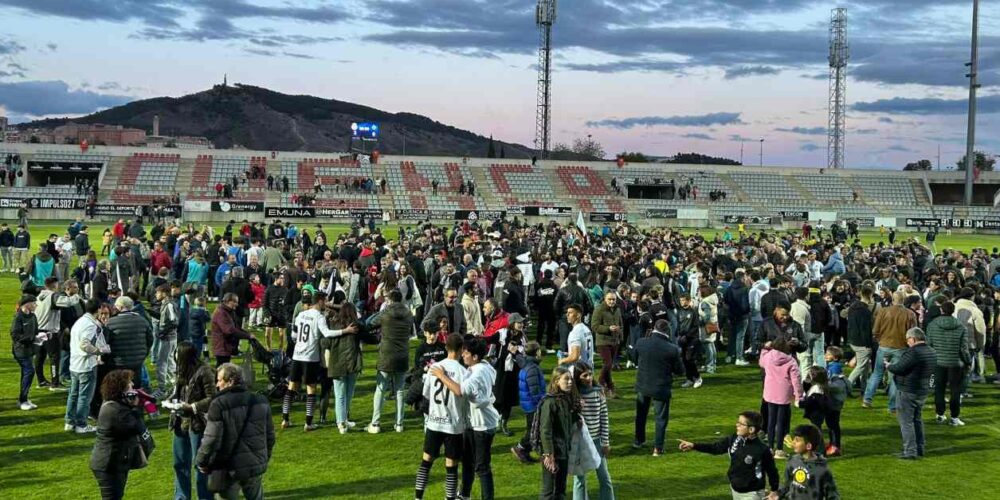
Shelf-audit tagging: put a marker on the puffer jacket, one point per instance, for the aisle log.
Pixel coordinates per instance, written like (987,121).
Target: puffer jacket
(949,338)
(118,425)
(274,302)
(708,312)
(231,442)
(601,322)
(782,379)
(969,314)
(573,294)
(394,350)
(531,385)
(129,336)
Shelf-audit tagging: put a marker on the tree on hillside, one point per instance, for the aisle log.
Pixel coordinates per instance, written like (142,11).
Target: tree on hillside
(984,162)
(503,153)
(700,159)
(588,147)
(634,157)
(919,165)
(491,150)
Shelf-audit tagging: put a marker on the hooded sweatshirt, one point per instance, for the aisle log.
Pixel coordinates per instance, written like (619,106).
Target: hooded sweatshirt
(757,291)
(42,266)
(808,480)
(782,379)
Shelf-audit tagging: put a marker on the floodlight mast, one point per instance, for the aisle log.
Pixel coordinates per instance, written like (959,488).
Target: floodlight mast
(545,16)
(839,54)
(970,144)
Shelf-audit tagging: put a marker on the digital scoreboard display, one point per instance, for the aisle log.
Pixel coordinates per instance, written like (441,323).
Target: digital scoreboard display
(365,130)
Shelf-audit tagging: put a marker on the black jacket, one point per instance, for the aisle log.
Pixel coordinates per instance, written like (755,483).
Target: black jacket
(118,425)
(6,238)
(749,462)
(514,302)
(771,300)
(913,369)
(859,324)
(737,298)
(573,294)
(791,330)
(23,330)
(129,336)
(232,442)
(658,359)
(274,302)
(81,243)
(545,298)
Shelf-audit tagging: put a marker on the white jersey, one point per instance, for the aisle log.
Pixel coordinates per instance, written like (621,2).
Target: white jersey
(580,336)
(447,413)
(309,326)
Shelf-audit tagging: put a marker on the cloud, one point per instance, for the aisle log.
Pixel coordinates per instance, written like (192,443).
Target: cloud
(677,121)
(864,131)
(297,55)
(810,147)
(899,148)
(742,71)
(10,47)
(271,53)
(928,106)
(627,65)
(885,119)
(52,46)
(803,130)
(159,12)
(704,137)
(41,98)
(742,138)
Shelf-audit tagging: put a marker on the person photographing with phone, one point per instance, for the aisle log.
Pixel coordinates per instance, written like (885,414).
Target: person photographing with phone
(117,449)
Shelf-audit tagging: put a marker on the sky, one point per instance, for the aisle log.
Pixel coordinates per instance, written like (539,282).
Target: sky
(656,76)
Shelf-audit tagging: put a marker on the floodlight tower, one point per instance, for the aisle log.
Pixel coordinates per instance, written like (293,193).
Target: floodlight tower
(839,54)
(545,16)
(973,76)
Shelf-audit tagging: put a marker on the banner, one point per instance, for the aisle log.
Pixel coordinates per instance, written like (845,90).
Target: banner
(790,215)
(124,210)
(661,213)
(540,211)
(607,217)
(746,219)
(53,203)
(474,215)
(237,206)
(646,180)
(864,221)
(366,212)
(923,222)
(197,206)
(278,212)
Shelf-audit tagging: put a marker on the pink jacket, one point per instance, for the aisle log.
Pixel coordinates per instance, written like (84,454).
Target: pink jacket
(782,382)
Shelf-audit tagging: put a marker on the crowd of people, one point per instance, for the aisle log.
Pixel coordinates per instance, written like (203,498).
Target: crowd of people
(451,311)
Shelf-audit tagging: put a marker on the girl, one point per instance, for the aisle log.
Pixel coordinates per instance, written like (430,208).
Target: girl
(708,312)
(342,357)
(816,404)
(594,408)
(782,386)
(256,305)
(106,242)
(558,412)
(194,391)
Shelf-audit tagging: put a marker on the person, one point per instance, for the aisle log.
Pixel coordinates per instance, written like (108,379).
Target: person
(129,336)
(606,323)
(751,465)
(226,330)
(782,387)
(580,342)
(558,412)
(477,388)
(342,356)
(49,302)
(708,332)
(971,316)
(838,389)
(445,421)
(256,318)
(594,410)
(470,309)
(86,344)
(737,300)
(25,337)
(119,425)
(509,355)
(274,303)
(447,309)
(687,339)
(239,437)
(393,358)
(6,242)
(889,330)
(531,389)
(658,359)
(816,402)
(310,326)
(197,320)
(949,339)
(912,371)
(168,323)
(860,316)
(194,392)
(807,476)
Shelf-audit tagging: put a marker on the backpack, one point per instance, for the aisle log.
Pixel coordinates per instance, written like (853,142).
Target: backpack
(535,438)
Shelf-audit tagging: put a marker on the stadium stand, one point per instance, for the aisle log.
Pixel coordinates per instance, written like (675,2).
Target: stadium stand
(521,184)
(146,176)
(209,171)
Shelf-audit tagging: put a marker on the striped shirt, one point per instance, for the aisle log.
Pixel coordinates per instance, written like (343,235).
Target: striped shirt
(595,415)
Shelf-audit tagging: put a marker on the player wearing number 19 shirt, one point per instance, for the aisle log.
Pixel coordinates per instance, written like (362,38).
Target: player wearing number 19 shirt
(309,326)
(446,420)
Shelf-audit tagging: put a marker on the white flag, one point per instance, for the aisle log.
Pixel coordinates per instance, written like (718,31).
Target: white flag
(996,199)
(580,224)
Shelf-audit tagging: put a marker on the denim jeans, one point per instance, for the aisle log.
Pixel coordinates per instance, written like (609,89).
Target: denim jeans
(385,382)
(737,336)
(185,449)
(343,392)
(64,364)
(661,412)
(8,260)
(27,375)
(755,337)
(877,371)
(911,426)
(603,477)
(81,391)
(708,347)
(863,365)
(166,366)
(819,350)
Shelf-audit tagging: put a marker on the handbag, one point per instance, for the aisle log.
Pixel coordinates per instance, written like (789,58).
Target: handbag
(143,449)
(583,456)
(220,479)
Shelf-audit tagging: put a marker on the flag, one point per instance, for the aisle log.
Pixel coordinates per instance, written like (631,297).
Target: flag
(580,224)
(996,199)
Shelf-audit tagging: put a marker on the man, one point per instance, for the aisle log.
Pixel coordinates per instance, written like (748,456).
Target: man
(85,346)
(477,388)
(50,301)
(227,330)
(969,314)
(545,296)
(310,326)
(737,298)
(448,309)
(606,323)
(239,436)
(81,243)
(43,266)
(761,286)
(687,339)
(949,339)
(659,359)
(891,325)
(445,421)
(6,242)
(860,318)
(912,372)
(393,358)
(570,293)
(781,326)
(514,301)
(130,336)
(580,342)
(166,332)
(22,242)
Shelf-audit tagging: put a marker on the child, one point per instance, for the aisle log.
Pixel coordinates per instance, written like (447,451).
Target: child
(106,242)
(750,459)
(782,387)
(838,390)
(806,474)
(531,386)
(429,352)
(443,330)
(558,412)
(816,404)
(197,320)
(257,304)
(594,408)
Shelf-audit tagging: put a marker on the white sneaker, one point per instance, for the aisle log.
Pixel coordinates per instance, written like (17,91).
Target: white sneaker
(85,430)
(941,419)
(69,427)
(697,383)
(955,421)
(28,406)
(742,362)
(399,428)
(687,383)
(373,429)
(342,428)
(351,424)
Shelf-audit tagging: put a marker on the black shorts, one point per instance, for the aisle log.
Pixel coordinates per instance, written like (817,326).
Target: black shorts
(278,322)
(305,371)
(452,444)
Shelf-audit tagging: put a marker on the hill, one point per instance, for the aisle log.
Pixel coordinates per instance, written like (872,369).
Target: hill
(262,119)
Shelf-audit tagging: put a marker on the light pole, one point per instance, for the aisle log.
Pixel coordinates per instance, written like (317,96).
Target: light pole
(741,151)
(973,64)
(762,152)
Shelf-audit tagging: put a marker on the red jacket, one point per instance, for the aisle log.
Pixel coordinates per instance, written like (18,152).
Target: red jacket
(118,230)
(226,334)
(158,259)
(258,295)
(495,323)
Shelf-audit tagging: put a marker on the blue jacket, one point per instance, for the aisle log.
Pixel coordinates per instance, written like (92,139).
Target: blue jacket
(183,328)
(197,273)
(835,264)
(197,319)
(220,274)
(531,385)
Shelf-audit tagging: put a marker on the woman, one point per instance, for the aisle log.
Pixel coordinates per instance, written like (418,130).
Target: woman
(23,333)
(708,313)
(119,425)
(509,360)
(594,408)
(195,390)
(197,273)
(408,287)
(557,414)
(342,357)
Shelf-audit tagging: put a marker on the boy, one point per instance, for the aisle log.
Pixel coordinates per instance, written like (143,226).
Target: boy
(750,460)
(429,352)
(445,421)
(197,321)
(838,390)
(806,474)
(531,385)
